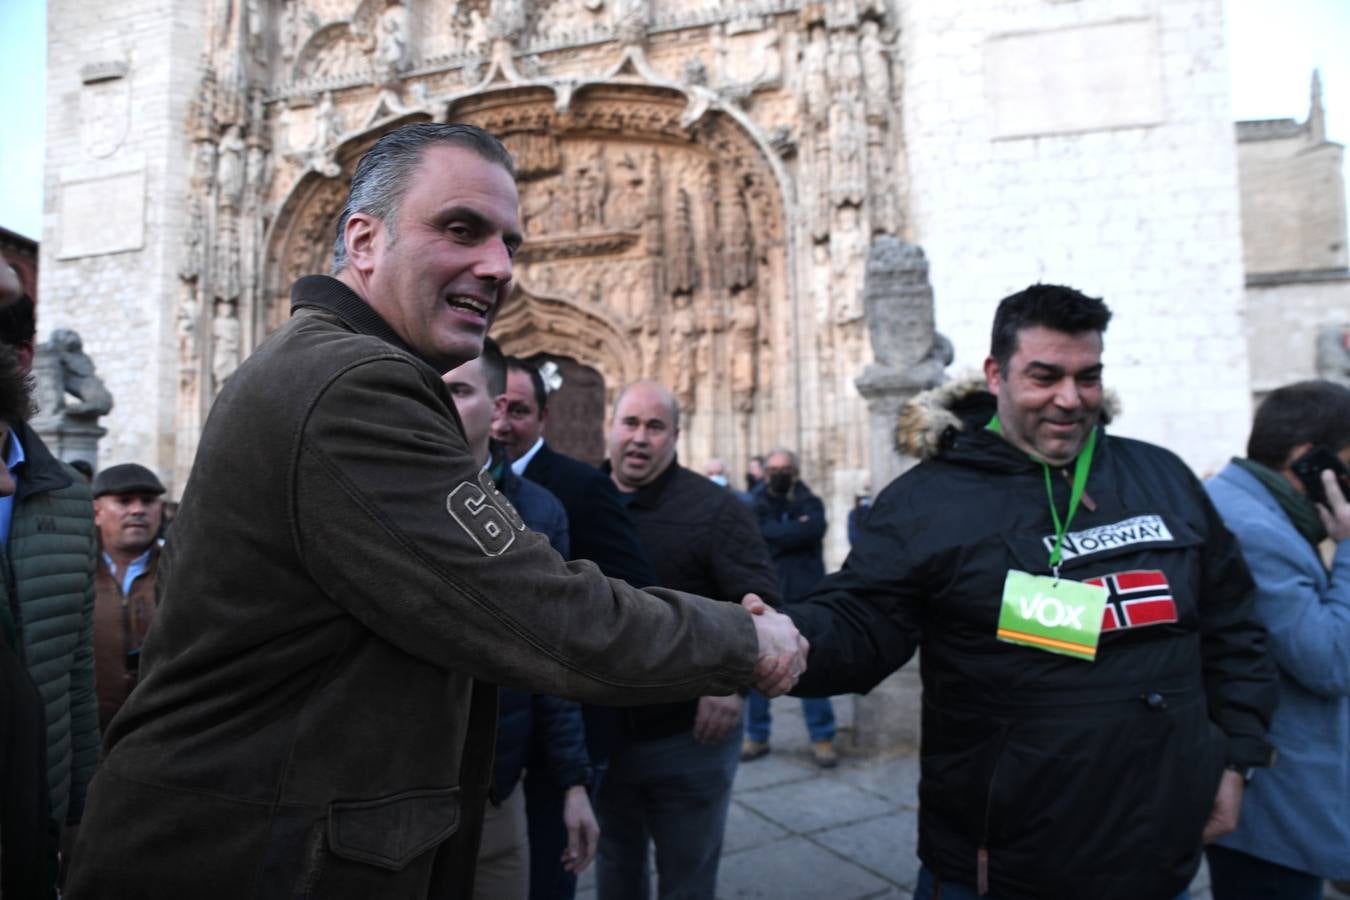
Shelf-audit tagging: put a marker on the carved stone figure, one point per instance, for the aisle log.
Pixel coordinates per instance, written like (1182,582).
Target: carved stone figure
(256,174)
(814,92)
(507,19)
(194,236)
(631,20)
(327,124)
(79,380)
(626,205)
(288,30)
(744,353)
(590,185)
(1333,354)
(225,284)
(738,251)
(848,158)
(682,276)
(185,321)
(898,301)
(391,40)
(230,170)
(224,342)
(876,71)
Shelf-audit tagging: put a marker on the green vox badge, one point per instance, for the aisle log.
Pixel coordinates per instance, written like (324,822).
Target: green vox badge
(1056,615)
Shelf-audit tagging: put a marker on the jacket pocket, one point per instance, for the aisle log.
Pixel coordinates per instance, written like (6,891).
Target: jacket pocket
(392,831)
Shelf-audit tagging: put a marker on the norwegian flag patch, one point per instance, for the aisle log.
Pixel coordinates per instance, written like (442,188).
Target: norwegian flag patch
(1136,598)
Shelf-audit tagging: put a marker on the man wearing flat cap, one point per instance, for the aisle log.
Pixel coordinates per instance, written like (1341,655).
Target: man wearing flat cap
(128,510)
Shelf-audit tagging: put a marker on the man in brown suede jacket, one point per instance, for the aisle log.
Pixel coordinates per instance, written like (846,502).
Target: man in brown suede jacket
(309,721)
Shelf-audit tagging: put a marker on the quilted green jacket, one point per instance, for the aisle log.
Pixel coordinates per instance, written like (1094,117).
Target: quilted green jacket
(48,589)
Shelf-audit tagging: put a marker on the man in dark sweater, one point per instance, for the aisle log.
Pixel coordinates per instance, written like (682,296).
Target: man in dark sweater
(670,776)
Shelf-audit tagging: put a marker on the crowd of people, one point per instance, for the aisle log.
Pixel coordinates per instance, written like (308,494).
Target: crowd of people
(396,645)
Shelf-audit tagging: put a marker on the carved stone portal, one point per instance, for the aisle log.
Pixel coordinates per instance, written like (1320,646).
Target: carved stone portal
(628,268)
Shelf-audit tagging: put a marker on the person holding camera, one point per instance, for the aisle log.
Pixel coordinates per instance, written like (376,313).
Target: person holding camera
(1286,502)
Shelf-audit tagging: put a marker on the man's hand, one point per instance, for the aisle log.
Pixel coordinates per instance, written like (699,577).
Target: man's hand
(1337,519)
(1223,818)
(583,832)
(717,717)
(782,649)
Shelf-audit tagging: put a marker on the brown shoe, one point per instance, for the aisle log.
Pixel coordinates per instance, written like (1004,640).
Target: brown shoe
(753,750)
(824,753)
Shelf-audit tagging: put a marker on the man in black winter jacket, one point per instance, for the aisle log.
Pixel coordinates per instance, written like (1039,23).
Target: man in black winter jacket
(1096,690)
(670,779)
(792,520)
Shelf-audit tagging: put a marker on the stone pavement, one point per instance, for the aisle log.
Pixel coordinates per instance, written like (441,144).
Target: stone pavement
(796,832)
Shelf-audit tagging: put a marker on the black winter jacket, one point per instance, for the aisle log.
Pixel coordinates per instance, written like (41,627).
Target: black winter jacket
(702,540)
(795,545)
(1073,779)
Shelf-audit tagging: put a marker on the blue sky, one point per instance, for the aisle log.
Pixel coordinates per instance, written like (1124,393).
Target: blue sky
(1273,45)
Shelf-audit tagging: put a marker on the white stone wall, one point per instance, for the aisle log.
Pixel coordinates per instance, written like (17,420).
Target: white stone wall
(1134,199)
(108,141)
(1282,325)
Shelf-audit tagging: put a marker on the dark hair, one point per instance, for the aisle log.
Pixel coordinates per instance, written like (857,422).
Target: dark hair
(1049,305)
(516,364)
(494,367)
(16,388)
(381,177)
(1306,412)
(18,322)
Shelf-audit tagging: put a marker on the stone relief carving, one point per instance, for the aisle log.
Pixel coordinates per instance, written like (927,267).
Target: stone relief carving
(194,238)
(682,275)
(225,343)
(391,42)
(738,253)
(626,203)
(226,283)
(230,174)
(590,185)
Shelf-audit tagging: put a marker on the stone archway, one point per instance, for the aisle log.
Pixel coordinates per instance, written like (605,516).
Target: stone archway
(656,247)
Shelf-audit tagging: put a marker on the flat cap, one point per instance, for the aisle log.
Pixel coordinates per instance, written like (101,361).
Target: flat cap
(128,478)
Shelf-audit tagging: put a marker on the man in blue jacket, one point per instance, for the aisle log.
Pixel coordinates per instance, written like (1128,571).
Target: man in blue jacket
(1295,826)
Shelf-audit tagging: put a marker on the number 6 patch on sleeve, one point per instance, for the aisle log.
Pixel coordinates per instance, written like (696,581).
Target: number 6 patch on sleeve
(485,515)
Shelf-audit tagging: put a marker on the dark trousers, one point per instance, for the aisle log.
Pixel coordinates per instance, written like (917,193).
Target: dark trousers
(1234,875)
(929,888)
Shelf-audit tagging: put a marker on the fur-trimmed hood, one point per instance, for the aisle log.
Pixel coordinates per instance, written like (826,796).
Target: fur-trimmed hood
(926,420)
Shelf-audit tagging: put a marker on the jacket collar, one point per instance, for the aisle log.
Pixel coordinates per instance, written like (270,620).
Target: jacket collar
(331,295)
(42,471)
(649,495)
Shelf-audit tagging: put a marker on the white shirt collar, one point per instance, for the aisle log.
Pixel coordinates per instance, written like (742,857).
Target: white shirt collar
(519,465)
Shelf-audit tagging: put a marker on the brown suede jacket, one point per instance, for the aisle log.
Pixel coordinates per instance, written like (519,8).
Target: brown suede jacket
(310,720)
(120,624)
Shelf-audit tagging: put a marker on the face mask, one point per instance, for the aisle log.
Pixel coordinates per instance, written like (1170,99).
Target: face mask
(780,482)
(719,480)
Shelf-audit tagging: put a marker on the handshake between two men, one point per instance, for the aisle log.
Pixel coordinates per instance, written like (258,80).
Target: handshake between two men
(782,649)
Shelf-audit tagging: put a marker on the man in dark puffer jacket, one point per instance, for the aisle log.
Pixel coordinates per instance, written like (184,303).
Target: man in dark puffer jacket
(1048,776)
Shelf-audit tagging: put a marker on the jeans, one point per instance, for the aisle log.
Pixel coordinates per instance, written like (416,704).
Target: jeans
(951,890)
(1234,875)
(675,792)
(819,713)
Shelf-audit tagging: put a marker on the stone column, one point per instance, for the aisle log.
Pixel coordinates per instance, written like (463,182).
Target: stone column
(910,357)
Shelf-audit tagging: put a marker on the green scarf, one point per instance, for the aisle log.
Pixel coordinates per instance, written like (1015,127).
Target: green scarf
(1301,511)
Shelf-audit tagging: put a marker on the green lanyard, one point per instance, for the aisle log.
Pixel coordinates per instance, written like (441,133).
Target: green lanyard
(1080,477)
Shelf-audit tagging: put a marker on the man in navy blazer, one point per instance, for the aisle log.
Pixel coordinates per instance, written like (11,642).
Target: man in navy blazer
(599,529)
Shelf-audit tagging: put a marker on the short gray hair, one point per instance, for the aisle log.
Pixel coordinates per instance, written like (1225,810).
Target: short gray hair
(381,177)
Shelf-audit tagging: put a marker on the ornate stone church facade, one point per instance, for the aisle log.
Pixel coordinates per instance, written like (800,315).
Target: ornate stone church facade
(702,186)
